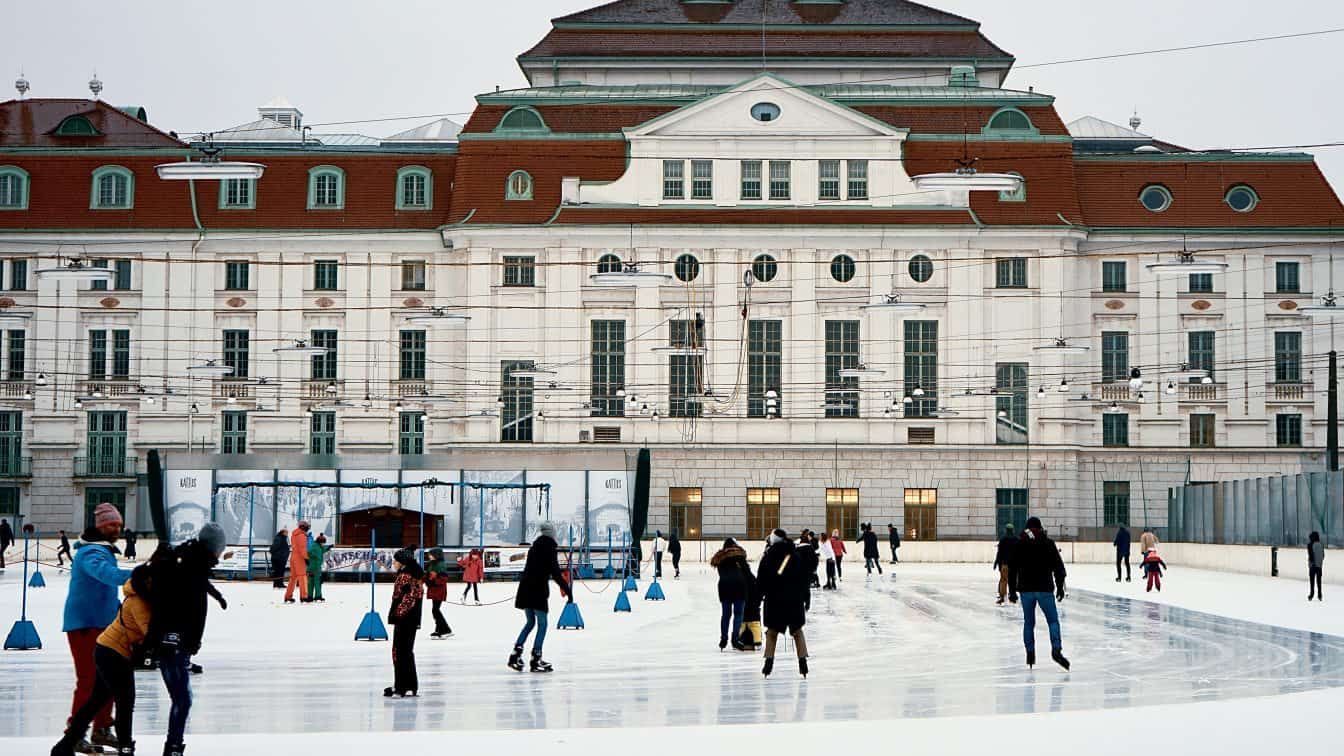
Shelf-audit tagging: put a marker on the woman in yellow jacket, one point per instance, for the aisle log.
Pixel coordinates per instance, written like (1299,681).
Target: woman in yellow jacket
(113,656)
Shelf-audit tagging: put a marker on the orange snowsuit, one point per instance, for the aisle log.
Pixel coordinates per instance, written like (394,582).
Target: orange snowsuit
(298,564)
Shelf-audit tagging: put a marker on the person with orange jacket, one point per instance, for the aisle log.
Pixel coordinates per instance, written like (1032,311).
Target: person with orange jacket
(473,572)
(298,563)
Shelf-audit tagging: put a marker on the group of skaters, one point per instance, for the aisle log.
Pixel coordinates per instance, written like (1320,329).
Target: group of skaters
(305,555)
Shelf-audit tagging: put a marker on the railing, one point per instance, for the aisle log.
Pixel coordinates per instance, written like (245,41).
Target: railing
(16,389)
(104,467)
(233,389)
(16,467)
(1203,392)
(1288,392)
(111,388)
(1111,392)
(323,389)
(419,387)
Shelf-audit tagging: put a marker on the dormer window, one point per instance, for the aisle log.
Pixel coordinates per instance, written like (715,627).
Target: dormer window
(237,194)
(113,188)
(519,186)
(1017,195)
(1010,121)
(415,188)
(76,125)
(13,188)
(522,119)
(326,188)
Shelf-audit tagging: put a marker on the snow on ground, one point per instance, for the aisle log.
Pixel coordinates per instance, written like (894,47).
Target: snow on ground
(922,659)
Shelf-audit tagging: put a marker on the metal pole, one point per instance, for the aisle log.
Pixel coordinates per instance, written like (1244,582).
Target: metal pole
(299,514)
(1332,417)
(251,526)
(609,545)
(23,614)
(422,523)
(373,565)
(480,520)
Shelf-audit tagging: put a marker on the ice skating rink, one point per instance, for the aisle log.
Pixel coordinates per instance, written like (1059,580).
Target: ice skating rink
(923,642)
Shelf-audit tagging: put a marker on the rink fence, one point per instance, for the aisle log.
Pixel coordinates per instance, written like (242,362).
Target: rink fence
(1271,511)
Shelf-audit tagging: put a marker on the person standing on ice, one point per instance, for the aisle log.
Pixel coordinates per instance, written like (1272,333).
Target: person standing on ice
(783,577)
(1315,561)
(894,539)
(1003,557)
(63,551)
(534,593)
(6,539)
(674,548)
(827,554)
(473,572)
(1121,544)
(317,562)
(90,606)
(298,563)
(838,546)
(128,536)
(1036,574)
(279,558)
(871,556)
(734,585)
(404,616)
(436,589)
(1148,541)
(1152,568)
(658,553)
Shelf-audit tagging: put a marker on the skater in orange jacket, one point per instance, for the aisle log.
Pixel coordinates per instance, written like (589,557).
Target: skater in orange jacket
(298,563)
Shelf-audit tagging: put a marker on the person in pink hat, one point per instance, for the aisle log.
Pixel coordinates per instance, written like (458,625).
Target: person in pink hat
(298,563)
(91,605)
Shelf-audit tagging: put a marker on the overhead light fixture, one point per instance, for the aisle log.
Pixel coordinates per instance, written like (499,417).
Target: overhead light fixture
(1003,413)
(1063,386)
(1135,379)
(968,179)
(1328,308)
(907,399)
(301,348)
(1186,263)
(834,407)
(331,389)
(1171,387)
(919,390)
(892,303)
(13,319)
(1142,400)
(862,371)
(1206,380)
(194,408)
(1062,346)
(76,270)
(80,404)
(209,369)
(41,379)
(946,412)
(1040,393)
(437,316)
(629,275)
(209,167)
(1113,408)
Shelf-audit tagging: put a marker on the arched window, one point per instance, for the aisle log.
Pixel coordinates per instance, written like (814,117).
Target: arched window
(113,188)
(415,188)
(76,125)
(13,188)
(686,268)
(519,186)
(326,188)
(522,118)
(1010,120)
(1156,198)
(764,268)
(608,263)
(1019,194)
(843,268)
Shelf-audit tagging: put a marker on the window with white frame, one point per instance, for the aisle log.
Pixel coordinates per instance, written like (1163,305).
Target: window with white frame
(13,188)
(828,180)
(674,179)
(113,188)
(856,179)
(779,179)
(751,179)
(326,188)
(702,179)
(237,194)
(415,188)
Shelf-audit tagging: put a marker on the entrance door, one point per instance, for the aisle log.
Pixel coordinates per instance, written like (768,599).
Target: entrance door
(95,496)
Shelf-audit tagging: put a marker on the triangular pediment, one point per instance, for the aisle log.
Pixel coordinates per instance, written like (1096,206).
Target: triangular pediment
(800,114)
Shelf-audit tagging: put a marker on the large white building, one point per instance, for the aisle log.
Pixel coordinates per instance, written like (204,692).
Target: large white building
(680,235)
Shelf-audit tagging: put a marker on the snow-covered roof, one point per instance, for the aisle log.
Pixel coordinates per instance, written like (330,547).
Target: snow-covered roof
(442,130)
(1091,127)
(260,130)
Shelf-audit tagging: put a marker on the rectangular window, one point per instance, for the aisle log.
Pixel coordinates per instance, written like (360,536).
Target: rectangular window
(520,271)
(322,433)
(238,193)
(412,356)
(326,190)
(1115,502)
(762,512)
(121,354)
(921,514)
(686,370)
(702,179)
(1201,430)
(1114,276)
(608,367)
(1287,356)
(123,273)
(779,179)
(857,175)
(18,345)
(1288,430)
(1201,352)
(1287,279)
(1010,403)
(233,439)
(1115,429)
(751,179)
(324,365)
(1010,273)
(236,275)
(413,194)
(765,358)
(517,416)
(1010,508)
(99,285)
(9,502)
(325,275)
(11,444)
(1114,356)
(842,511)
(842,353)
(674,179)
(1201,283)
(413,275)
(685,510)
(411,433)
(107,443)
(921,367)
(18,275)
(236,352)
(828,186)
(97,355)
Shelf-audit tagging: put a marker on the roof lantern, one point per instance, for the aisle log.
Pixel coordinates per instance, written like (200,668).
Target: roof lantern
(282,112)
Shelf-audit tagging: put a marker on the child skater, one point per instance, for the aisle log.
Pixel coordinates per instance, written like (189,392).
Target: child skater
(436,588)
(1152,567)
(828,555)
(473,571)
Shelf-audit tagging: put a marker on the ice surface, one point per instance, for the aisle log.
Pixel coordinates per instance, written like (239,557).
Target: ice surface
(927,642)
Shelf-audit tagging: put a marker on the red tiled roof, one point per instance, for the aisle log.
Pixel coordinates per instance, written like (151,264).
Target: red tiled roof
(1047,169)
(958,120)
(1292,194)
(782,216)
(484,167)
(31,123)
(735,43)
(598,118)
(768,11)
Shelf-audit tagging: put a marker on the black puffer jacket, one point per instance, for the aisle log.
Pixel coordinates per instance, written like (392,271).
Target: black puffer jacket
(1036,565)
(869,539)
(735,577)
(181,580)
(783,578)
(543,566)
(1003,557)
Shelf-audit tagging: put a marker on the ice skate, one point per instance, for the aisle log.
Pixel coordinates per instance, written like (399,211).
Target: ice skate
(723,642)
(174,749)
(127,750)
(802,666)
(739,646)
(538,665)
(1031,658)
(1058,655)
(102,739)
(516,659)
(769,666)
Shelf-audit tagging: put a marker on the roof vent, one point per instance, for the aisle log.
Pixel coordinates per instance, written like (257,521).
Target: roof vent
(962,76)
(1147,149)
(282,112)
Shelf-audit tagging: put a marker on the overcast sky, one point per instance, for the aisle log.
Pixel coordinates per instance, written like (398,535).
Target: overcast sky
(199,66)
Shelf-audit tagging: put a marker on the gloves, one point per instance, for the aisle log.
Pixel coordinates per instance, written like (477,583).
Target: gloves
(222,603)
(1059,592)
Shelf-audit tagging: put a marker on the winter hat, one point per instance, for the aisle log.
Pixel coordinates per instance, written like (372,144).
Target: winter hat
(212,537)
(1008,528)
(321,538)
(404,556)
(728,543)
(1033,523)
(105,514)
(547,529)
(777,536)
(304,526)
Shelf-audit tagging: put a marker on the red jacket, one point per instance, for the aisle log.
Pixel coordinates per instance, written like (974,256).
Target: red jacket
(473,568)
(436,585)
(838,546)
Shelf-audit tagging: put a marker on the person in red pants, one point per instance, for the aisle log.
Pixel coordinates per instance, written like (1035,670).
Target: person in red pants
(1152,567)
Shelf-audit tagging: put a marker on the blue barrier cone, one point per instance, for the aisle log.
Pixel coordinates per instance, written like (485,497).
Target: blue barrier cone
(37,581)
(371,627)
(655,592)
(570,618)
(622,602)
(23,636)
(630,584)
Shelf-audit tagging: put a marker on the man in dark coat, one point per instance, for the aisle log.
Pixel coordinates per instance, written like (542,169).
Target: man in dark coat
(674,548)
(6,540)
(1036,574)
(783,578)
(279,558)
(129,537)
(63,550)
(1003,557)
(871,556)
(534,593)
(1121,544)
(894,537)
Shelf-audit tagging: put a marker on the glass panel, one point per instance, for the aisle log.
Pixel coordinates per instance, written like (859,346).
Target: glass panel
(236,346)
(842,511)
(1114,276)
(1201,283)
(921,514)
(779,179)
(18,275)
(1201,352)
(674,179)
(1114,356)
(325,275)
(762,512)
(1010,380)
(324,365)
(751,179)
(608,367)
(685,371)
(18,343)
(685,512)
(236,275)
(322,433)
(1286,278)
(517,416)
(1010,273)
(858,179)
(1010,505)
(765,358)
(234,434)
(520,271)
(97,355)
(1115,502)
(1115,429)
(411,433)
(842,353)
(1288,430)
(1287,356)
(121,354)
(828,187)
(412,356)
(1201,430)
(921,366)
(413,275)
(702,179)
